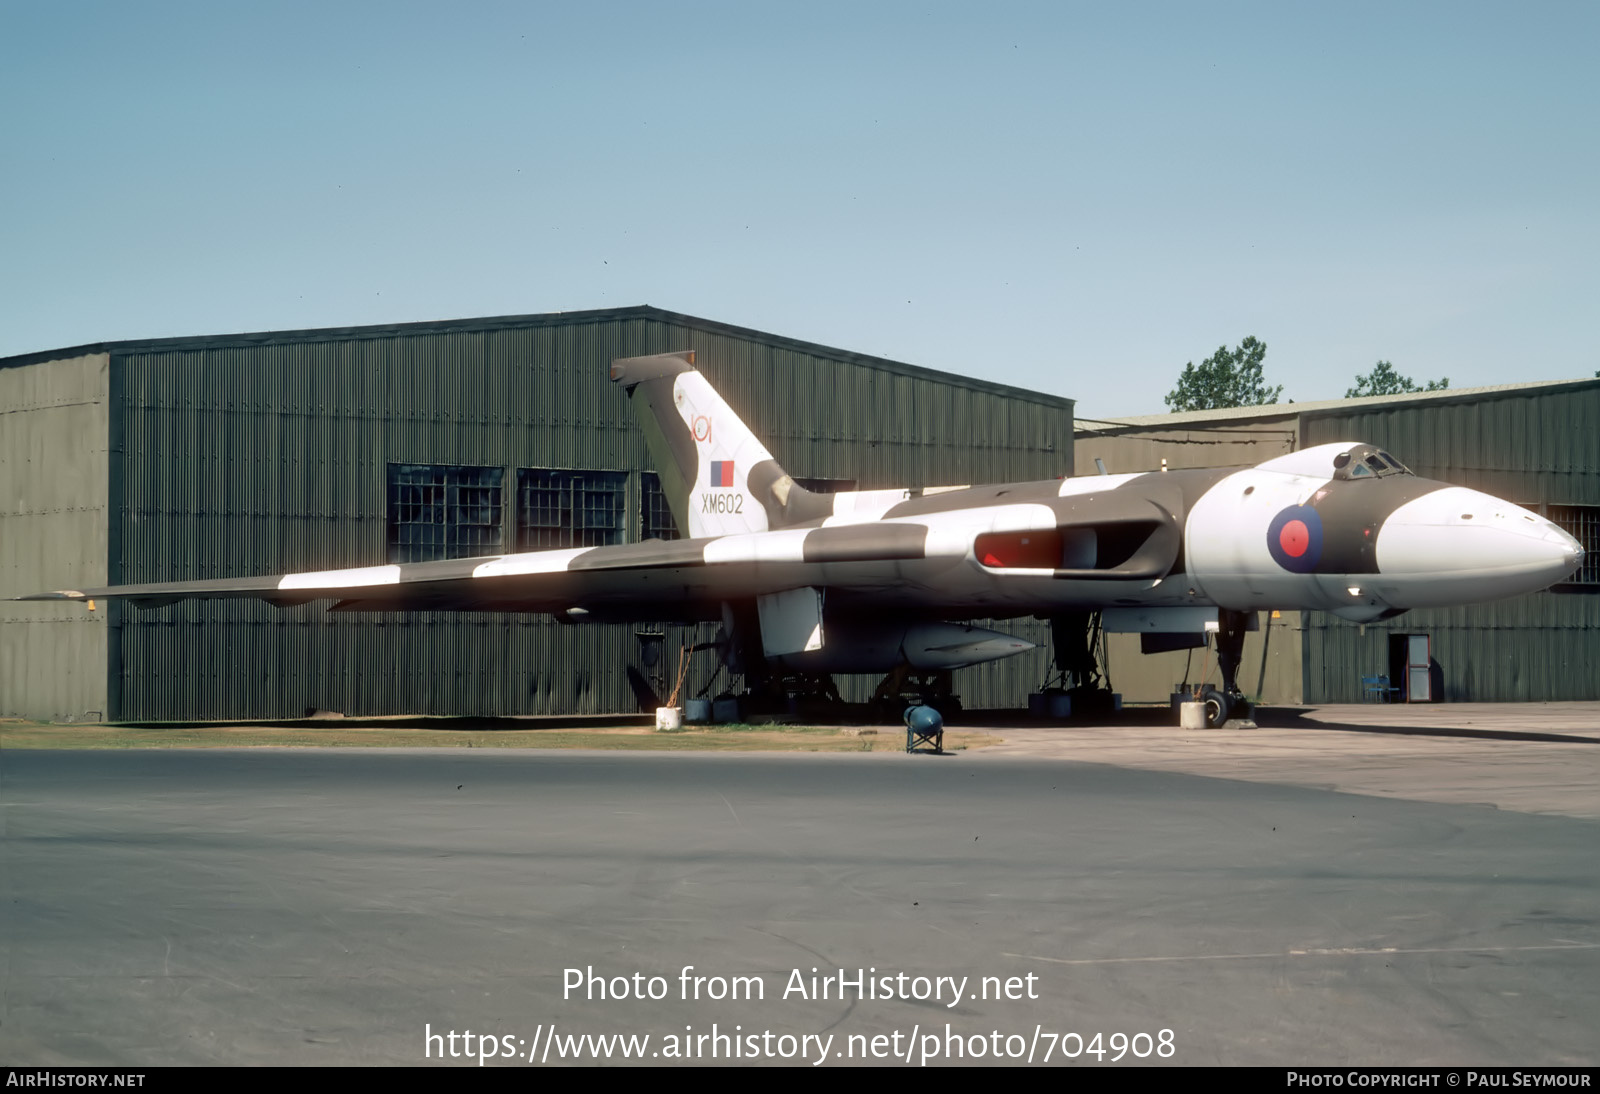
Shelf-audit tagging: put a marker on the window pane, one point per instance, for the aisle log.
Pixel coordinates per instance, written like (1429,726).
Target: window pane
(655,515)
(440,511)
(569,508)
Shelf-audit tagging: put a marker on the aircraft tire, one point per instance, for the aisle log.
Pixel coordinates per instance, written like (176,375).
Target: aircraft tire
(1217,707)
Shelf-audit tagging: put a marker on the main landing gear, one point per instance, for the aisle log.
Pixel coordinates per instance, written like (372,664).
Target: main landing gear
(904,684)
(1078,648)
(1228,701)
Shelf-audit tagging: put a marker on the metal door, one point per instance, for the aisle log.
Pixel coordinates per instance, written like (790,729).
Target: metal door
(1419,685)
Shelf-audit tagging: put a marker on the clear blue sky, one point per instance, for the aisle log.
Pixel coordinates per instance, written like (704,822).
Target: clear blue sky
(1077,198)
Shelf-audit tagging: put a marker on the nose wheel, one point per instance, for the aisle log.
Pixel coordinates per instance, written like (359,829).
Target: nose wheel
(1217,707)
(1228,701)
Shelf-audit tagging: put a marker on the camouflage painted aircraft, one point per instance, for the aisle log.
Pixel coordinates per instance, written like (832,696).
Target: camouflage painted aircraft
(883,580)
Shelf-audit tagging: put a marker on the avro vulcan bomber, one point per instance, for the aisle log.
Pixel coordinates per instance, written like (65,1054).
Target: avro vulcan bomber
(887,581)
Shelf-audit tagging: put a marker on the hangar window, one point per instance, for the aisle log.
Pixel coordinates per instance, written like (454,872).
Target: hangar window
(444,512)
(570,508)
(1582,523)
(655,515)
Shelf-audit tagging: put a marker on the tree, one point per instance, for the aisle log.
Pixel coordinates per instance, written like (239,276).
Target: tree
(1226,378)
(1384,380)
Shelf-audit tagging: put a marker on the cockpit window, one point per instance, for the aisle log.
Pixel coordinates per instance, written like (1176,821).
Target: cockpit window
(1366,462)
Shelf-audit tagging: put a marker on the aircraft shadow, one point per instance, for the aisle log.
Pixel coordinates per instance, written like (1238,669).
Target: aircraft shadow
(1295,718)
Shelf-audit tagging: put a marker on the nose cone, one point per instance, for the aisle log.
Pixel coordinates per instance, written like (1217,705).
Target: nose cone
(1459,546)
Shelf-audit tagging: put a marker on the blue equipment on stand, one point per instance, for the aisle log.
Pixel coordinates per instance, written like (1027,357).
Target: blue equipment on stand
(924,726)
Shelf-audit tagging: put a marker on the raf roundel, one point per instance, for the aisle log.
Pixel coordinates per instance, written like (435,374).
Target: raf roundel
(1294,539)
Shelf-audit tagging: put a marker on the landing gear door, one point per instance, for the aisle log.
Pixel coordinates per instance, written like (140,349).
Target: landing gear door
(791,622)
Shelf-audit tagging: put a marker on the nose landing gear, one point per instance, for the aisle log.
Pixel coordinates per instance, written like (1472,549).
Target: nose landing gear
(1217,706)
(1228,701)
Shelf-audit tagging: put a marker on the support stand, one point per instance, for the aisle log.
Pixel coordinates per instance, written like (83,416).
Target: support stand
(924,727)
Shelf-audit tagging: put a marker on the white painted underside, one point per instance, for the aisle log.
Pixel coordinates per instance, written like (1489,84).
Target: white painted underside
(342,579)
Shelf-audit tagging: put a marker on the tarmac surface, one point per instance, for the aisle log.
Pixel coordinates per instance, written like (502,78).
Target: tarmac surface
(1377,885)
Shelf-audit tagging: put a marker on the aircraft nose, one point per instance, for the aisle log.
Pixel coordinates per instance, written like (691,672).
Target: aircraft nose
(1574,554)
(1456,545)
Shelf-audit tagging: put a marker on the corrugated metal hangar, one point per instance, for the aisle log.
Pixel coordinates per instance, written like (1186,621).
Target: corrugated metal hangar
(1534,444)
(223,456)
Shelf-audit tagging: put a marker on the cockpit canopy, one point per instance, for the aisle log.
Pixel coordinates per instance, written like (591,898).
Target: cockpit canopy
(1365,461)
(1344,460)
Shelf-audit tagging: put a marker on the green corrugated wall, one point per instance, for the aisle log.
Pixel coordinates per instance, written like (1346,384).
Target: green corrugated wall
(53,515)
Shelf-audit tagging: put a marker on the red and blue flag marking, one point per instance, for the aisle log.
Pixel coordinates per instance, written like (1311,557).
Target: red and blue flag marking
(721,472)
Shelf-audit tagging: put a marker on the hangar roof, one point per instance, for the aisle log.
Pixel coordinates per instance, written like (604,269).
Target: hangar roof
(1328,407)
(507,322)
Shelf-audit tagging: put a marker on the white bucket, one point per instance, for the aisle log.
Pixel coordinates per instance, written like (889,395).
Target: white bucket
(1192,715)
(669,718)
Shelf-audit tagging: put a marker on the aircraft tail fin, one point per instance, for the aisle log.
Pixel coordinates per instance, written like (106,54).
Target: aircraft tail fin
(718,477)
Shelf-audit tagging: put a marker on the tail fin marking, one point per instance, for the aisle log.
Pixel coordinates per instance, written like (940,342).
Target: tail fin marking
(718,476)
